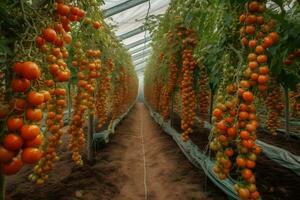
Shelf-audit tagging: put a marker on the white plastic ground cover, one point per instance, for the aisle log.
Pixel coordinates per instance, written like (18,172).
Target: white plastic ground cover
(103,137)
(281,156)
(196,157)
(277,154)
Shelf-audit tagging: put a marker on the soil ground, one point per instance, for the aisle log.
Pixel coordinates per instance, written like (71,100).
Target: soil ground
(274,182)
(140,161)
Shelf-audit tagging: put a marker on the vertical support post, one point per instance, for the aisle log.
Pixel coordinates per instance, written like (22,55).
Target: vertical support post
(2,186)
(90,150)
(287,111)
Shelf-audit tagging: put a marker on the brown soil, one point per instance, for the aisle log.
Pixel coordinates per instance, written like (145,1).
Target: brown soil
(273,181)
(118,172)
(276,182)
(199,136)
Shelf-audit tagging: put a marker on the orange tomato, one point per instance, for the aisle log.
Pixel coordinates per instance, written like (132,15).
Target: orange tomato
(29,132)
(6,155)
(35,98)
(12,142)
(13,167)
(14,123)
(31,70)
(31,155)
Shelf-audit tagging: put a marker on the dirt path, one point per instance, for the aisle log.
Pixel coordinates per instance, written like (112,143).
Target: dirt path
(140,162)
(162,172)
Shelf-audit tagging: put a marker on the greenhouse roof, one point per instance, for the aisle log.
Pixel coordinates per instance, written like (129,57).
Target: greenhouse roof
(128,17)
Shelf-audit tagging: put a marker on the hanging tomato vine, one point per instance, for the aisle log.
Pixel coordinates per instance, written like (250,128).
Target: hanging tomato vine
(48,57)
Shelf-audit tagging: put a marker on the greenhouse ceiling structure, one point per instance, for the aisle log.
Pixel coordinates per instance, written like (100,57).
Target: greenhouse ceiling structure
(128,17)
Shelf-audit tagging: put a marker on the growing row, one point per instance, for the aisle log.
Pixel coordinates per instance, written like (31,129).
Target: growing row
(64,63)
(223,62)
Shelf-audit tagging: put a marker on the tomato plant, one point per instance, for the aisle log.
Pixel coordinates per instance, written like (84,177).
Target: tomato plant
(242,56)
(45,59)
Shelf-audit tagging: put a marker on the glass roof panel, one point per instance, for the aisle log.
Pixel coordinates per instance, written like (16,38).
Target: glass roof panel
(111,3)
(135,38)
(133,18)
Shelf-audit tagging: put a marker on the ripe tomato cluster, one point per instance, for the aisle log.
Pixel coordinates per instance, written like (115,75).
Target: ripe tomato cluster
(22,140)
(203,95)
(294,98)
(275,107)
(88,65)
(169,88)
(102,96)
(30,87)
(293,57)
(225,131)
(247,149)
(235,121)
(290,61)
(258,31)
(52,43)
(187,91)
(257,34)
(120,91)
(68,14)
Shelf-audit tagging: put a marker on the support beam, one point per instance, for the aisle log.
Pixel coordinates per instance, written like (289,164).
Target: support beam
(141,54)
(132,33)
(140,62)
(140,49)
(122,6)
(140,66)
(136,43)
(140,70)
(141,58)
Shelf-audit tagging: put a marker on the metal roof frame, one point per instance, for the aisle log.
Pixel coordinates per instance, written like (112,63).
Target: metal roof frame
(140,68)
(141,49)
(136,43)
(141,58)
(132,33)
(121,7)
(139,65)
(140,62)
(144,47)
(141,54)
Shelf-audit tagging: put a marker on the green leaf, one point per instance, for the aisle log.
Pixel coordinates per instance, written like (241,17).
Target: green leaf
(289,79)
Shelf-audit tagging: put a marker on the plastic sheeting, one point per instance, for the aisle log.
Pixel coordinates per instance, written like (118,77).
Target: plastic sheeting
(281,156)
(192,152)
(103,137)
(277,154)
